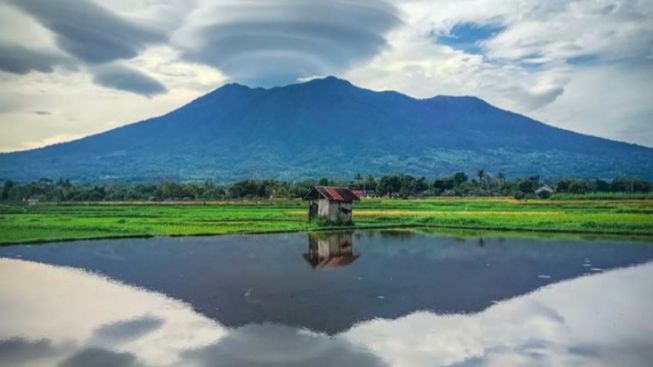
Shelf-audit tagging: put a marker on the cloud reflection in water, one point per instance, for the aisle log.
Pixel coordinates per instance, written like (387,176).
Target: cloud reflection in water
(67,317)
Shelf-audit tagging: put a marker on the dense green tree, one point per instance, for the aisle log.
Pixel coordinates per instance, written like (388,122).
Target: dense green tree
(625,184)
(390,185)
(601,186)
(459,178)
(443,184)
(17,193)
(5,189)
(527,186)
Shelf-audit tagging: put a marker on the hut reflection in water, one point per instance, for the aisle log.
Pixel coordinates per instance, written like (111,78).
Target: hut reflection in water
(330,250)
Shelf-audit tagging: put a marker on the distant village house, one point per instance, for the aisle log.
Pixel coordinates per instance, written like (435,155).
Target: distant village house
(544,191)
(334,204)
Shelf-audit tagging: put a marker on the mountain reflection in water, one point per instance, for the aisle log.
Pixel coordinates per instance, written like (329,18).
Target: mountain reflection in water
(59,316)
(293,280)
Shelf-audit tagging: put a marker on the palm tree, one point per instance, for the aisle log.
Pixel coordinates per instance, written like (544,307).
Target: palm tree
(501,178)
(481,175)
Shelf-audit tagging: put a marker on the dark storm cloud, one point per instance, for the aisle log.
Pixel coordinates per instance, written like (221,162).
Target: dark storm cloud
(98,357)
(266,43)
(88,31)
(17,59)
(128,79)
(275,345)
(18,350)
(128,329)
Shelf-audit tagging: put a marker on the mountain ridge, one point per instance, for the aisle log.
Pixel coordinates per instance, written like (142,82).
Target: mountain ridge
(328,128)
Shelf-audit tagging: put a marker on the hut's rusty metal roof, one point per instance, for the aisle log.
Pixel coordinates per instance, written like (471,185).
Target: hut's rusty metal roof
(332,193)
(359,193)
(332,261)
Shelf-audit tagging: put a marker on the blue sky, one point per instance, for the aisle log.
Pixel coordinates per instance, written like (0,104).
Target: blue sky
(469,37)
(75,67)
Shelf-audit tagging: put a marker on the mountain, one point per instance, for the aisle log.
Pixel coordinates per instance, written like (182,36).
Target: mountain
(328,128)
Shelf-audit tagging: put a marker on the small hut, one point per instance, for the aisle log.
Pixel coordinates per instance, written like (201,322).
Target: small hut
(331,203)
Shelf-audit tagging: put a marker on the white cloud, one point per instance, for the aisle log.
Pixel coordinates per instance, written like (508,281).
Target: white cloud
(580,65)
(609,100)
(555,61)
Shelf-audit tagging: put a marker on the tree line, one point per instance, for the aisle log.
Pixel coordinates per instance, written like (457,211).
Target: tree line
(400,185)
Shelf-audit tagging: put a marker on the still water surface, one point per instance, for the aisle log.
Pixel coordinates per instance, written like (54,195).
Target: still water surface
(364,299)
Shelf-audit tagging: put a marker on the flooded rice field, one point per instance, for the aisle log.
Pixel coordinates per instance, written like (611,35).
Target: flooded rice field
(384,298)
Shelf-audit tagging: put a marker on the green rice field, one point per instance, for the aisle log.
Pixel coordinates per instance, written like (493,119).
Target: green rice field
(46,222)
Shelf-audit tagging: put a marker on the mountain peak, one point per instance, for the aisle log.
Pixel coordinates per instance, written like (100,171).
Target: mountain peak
(469,100)
(234,85)
(329,80)
(333,78)
(225,89)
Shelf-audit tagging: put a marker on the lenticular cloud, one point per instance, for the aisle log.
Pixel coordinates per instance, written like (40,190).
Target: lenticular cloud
(263,43)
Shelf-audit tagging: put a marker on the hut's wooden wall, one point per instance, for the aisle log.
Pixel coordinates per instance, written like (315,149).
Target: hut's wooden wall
(334,211)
